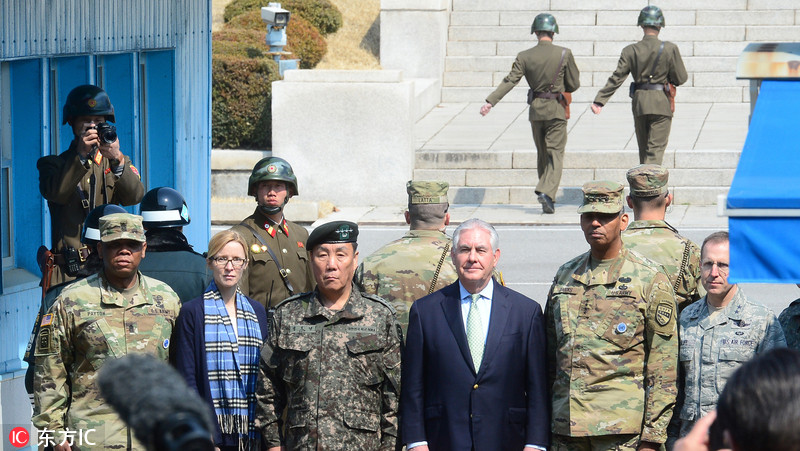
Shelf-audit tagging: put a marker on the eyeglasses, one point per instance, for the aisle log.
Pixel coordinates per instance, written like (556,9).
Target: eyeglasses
(222,262)
(721,267)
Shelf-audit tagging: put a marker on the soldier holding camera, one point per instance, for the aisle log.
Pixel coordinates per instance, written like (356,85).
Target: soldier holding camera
(93,171)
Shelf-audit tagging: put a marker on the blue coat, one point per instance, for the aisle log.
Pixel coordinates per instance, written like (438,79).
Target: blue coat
(444,402)
(188,353)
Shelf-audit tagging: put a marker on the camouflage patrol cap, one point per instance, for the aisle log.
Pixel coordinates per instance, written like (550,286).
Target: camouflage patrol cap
(427,192)
(648,180)
(121,226)
(601,197)
(333,232)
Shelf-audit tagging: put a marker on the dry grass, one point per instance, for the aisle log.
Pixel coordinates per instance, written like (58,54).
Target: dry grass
(217,11)
(356,45)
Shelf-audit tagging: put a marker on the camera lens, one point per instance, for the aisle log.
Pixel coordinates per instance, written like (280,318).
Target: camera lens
(107,132)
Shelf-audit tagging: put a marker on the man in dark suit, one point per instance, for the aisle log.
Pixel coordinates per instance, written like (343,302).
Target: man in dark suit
(474,375)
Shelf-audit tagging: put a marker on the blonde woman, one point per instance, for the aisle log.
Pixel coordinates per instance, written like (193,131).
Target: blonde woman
(218,340)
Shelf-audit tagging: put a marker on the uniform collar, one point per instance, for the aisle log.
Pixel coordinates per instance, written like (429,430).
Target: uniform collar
(266,224)
(649,224)
(354,308)
(609,276)
(111,296)
(427,233)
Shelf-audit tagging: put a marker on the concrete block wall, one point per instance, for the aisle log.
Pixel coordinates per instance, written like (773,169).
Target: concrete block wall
(484,37)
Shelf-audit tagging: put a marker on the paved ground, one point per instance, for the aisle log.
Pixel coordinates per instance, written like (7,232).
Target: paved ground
(696,126)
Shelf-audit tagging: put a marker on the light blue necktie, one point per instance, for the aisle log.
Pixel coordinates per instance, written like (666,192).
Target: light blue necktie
(475,337)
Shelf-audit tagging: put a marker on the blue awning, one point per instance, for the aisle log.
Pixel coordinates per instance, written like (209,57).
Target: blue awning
(764,200)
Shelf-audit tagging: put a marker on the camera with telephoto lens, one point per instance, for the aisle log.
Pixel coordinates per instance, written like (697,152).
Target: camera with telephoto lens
(106,132)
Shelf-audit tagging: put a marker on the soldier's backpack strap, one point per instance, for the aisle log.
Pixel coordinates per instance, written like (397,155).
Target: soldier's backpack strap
(281,271)
(439,268)
(560,65)
(684,262)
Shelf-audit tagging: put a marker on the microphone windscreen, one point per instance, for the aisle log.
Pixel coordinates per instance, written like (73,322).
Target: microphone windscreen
(146,393)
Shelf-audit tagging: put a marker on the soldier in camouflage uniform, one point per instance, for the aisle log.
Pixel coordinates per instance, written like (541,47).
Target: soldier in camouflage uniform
(652,64)
(650,235)
(416,264)
(104,316)
(790,323)
(719,333)
(332,358)
(612,342)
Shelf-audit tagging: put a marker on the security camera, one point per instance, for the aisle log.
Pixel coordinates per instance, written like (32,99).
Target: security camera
(274,15)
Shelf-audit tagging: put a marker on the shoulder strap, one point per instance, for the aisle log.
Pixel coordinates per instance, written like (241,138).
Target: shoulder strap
(684,262)
(560,64)
(655,63)
(281,271)
(439,268)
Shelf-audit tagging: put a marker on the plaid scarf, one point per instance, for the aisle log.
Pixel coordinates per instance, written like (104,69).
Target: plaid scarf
(233,365)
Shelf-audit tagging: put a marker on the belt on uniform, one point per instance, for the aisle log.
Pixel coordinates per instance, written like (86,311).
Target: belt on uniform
(547,95)
(649,86)
(59,259)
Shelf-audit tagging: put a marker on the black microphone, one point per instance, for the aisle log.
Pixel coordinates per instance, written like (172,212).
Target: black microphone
(153,399)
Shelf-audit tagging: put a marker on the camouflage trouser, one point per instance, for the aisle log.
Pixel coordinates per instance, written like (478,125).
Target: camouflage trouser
(622,442)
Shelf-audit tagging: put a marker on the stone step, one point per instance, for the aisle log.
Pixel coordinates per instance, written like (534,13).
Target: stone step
(526,195)
(622,17)
(480,177)
(573,159)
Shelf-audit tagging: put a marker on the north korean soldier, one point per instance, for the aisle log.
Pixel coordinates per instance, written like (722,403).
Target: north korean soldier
(170,257)
(656,67)
(552,76)
(332,360)
(279,266)
(93,171)
(612,342)
(650,235)
(101,317)
(416,264)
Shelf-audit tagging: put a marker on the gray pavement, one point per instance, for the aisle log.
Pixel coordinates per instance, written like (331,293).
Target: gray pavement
(696,126)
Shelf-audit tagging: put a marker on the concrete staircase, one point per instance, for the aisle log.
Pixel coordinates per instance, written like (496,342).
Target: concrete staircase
(485,36)
(492,159)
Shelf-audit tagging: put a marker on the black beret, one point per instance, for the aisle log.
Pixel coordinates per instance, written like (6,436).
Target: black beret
(333,232)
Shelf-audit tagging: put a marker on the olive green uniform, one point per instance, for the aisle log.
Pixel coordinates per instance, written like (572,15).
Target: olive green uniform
(338,372)
(402,271)
(68,183)
(89,323)
(612,350)
(651,111)
(262,280)
(548,121)
(679,256)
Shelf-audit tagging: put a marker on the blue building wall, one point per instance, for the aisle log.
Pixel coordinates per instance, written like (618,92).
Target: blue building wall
(125,45)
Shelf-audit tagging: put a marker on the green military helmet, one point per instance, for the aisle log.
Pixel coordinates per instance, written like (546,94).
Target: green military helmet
(272,168)
(87,100)
(651,16)
(544,22)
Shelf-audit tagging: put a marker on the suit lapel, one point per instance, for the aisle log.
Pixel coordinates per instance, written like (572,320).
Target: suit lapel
(452,313)
(501,308)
